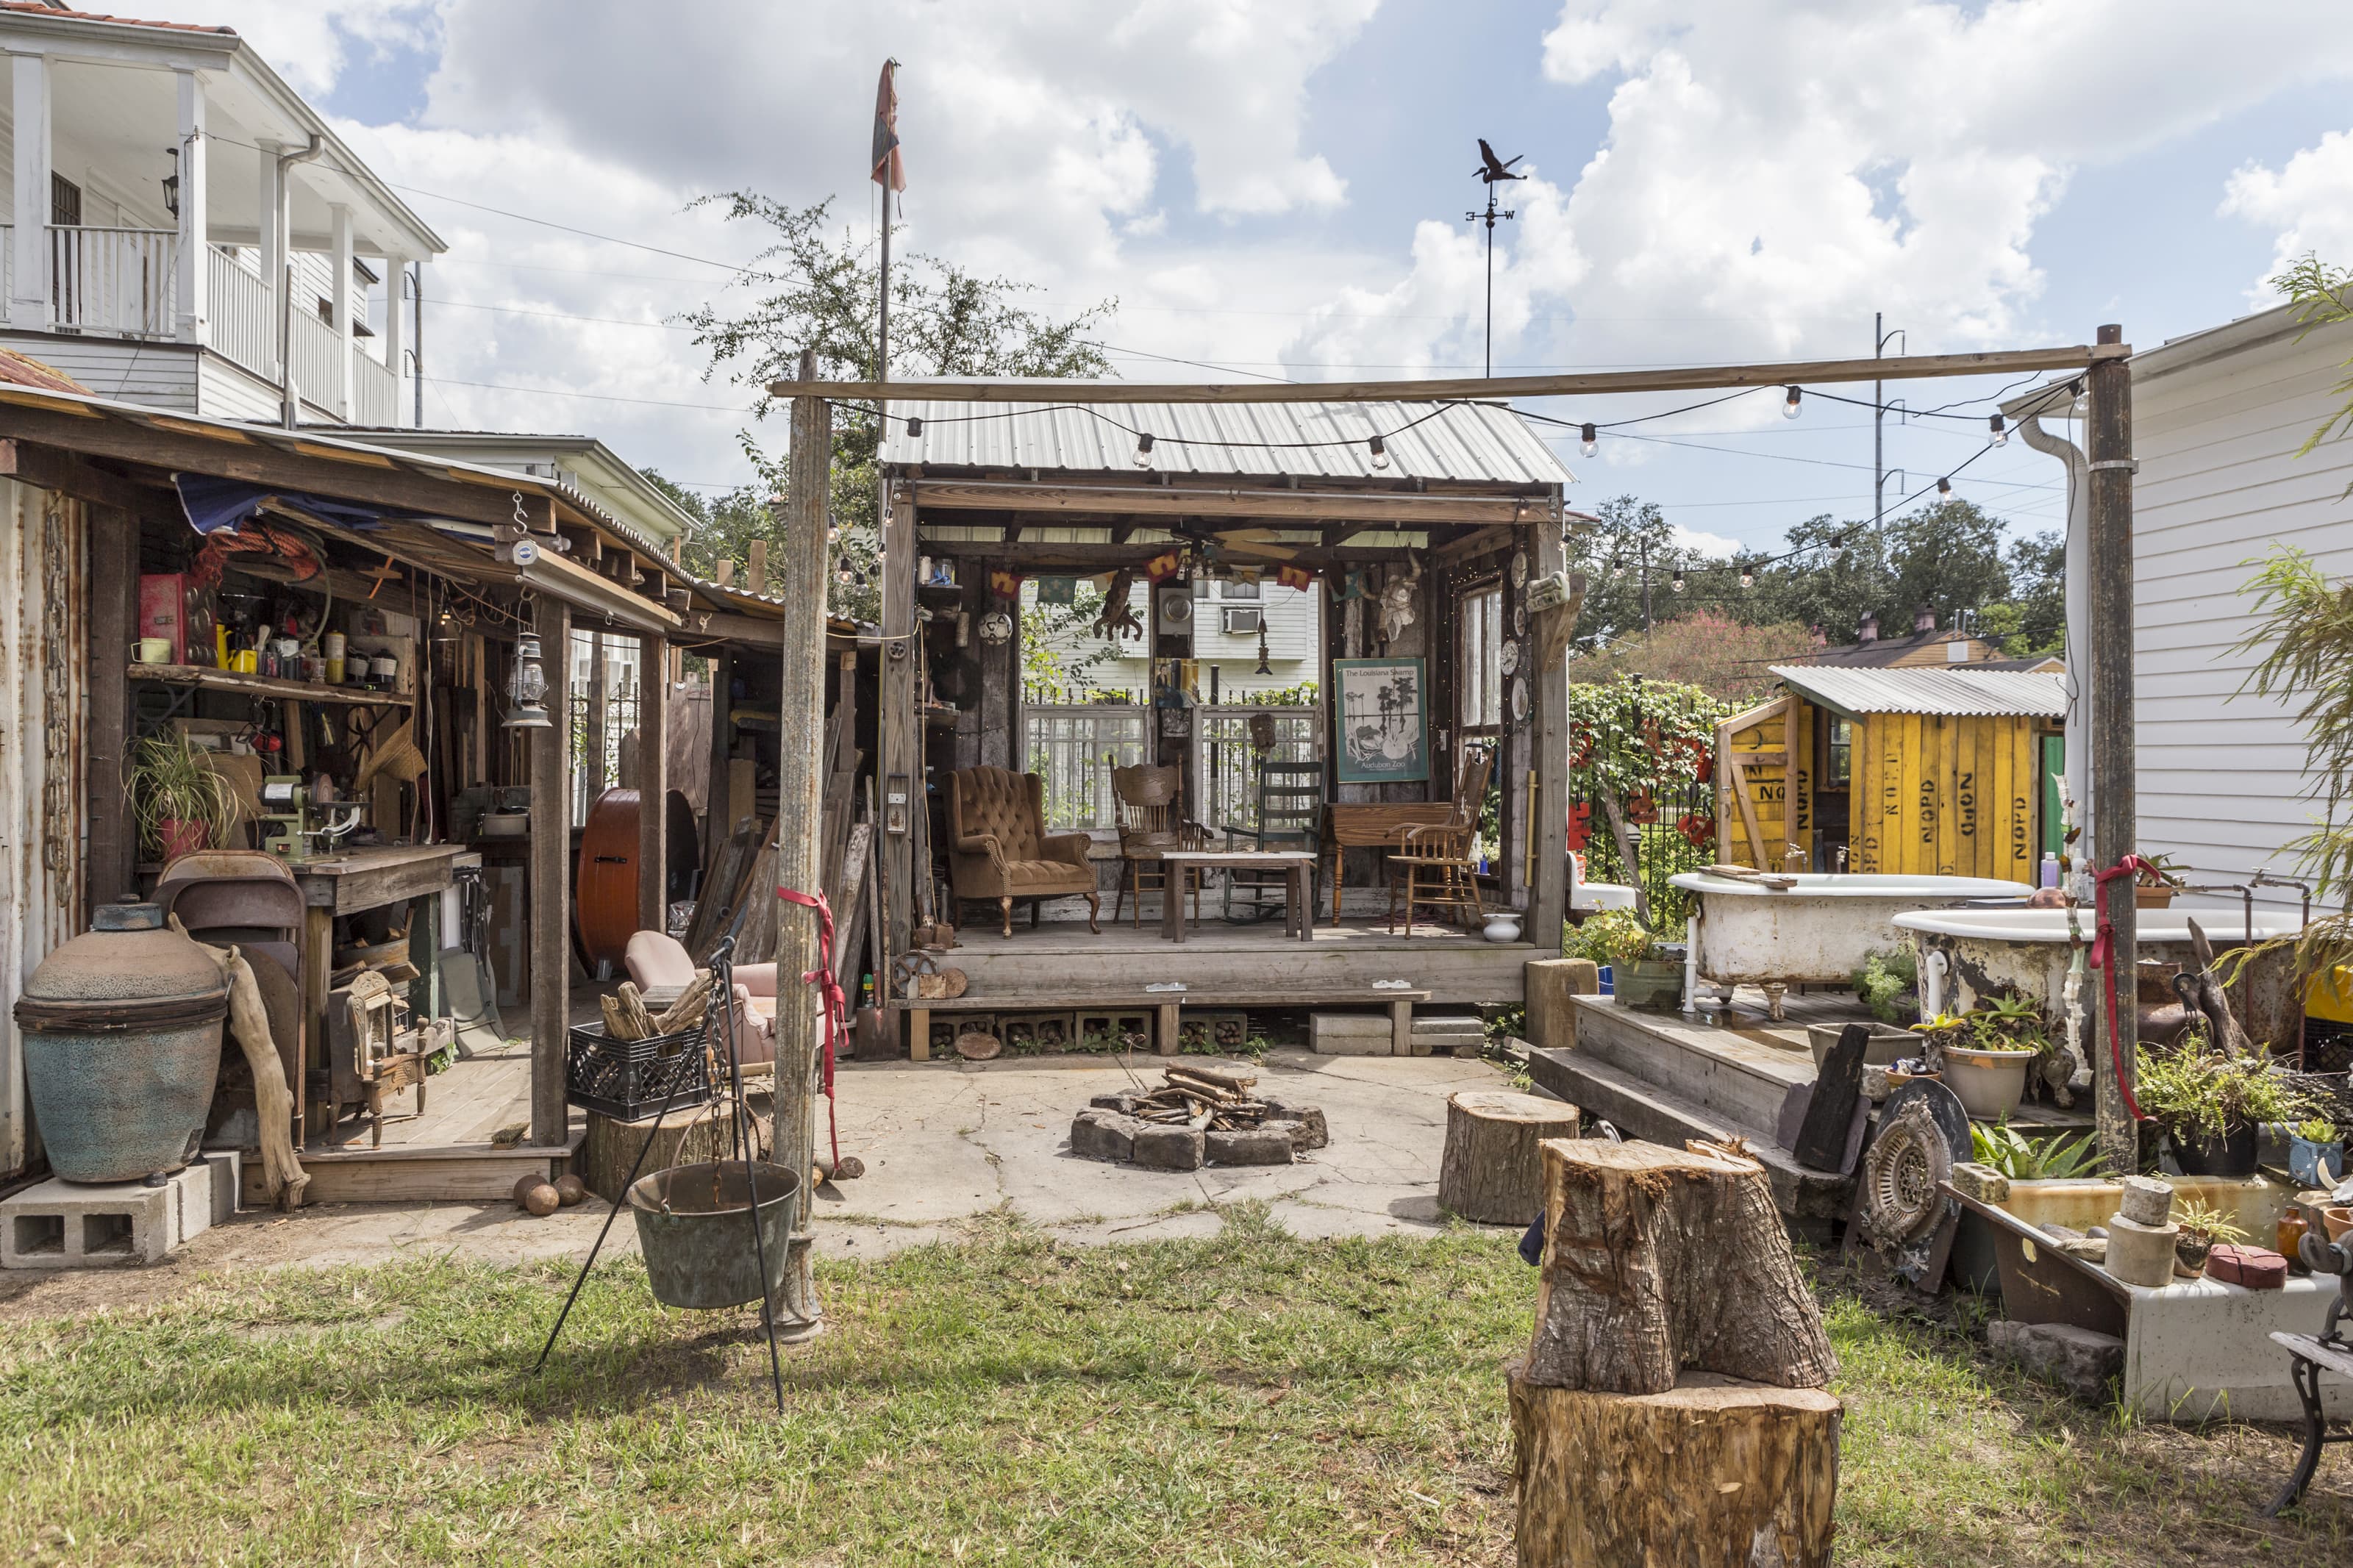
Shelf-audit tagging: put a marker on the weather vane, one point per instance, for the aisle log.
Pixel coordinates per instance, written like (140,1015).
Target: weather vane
(1491,172)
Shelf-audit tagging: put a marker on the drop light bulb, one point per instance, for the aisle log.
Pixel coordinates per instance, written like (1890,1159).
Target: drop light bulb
(2000,431)
(1380,453)
(1589,444)
(1789,409)
(1144,451)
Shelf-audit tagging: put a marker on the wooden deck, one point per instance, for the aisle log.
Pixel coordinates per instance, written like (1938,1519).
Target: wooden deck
(445,1153)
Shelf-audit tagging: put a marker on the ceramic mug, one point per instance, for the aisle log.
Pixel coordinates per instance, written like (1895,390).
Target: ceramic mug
(154,650)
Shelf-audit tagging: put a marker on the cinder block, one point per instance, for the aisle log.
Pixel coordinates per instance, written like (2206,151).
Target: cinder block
(1443,1035)
(1350,1034)
(67,1225)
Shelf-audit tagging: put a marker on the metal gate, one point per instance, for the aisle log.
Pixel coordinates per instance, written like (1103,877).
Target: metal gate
(44,664)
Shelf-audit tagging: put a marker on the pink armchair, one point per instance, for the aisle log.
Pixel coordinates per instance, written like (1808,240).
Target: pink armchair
(659,962)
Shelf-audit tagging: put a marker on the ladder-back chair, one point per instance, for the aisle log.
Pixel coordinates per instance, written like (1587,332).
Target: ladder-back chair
(1143,806)
(1437,864)
(1290,817)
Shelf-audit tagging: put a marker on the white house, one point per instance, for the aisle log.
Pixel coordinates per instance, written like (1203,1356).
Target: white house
(2219,418)
(1232,619)
(166,193)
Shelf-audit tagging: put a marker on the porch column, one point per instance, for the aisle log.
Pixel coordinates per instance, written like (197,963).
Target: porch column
(395,327)
(29,288)
(897,724)
(653,781)
(550,958)
(271,200)
(339,298)
(1548,824)
(194,279)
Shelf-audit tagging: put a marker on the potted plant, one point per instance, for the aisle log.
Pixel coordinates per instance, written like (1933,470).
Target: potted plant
(2211,1105)
(2155,883)
(2315,1155)
(2202,1228)
(1987,1058)
(180,802)
(1641,975)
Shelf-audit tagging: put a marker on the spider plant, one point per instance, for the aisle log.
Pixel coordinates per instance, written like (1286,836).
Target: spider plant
(174,789)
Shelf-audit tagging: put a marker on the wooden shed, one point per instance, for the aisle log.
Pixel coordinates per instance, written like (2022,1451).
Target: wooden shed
(1928,770)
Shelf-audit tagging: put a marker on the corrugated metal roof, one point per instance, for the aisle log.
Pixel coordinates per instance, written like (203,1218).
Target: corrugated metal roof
(1460,441)
(1955,693)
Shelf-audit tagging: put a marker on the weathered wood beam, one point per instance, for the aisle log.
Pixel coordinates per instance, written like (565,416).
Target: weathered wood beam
(1375,508)
(69,475)
(1039,555)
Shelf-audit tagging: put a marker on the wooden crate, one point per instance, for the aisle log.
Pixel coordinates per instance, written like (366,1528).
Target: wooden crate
(1113,1029)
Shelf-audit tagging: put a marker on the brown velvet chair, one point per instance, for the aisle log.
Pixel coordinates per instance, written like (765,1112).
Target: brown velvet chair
(998,847)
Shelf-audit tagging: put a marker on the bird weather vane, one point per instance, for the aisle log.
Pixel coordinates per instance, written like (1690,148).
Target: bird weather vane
(1492,171)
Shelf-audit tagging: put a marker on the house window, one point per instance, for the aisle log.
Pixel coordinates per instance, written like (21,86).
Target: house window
(1839,767)
(1480,634)
(1237,589)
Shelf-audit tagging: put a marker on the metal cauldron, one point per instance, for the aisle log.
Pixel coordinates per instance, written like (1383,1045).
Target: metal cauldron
(122,1028)
(698,1246)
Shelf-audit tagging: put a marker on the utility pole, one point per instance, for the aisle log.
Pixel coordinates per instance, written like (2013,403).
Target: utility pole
(2115,827)
(1879,336)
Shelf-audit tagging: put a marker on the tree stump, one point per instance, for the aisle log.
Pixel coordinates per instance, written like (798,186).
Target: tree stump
(1493,1170)
(687,1137)
(1712,1473)
(1658,1260)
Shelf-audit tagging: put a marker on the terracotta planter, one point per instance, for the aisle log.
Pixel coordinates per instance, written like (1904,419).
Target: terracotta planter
(2148,897)
(181,838)
(1989,1084)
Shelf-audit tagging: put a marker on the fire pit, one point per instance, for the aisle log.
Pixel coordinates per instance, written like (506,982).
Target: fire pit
(1199,1116)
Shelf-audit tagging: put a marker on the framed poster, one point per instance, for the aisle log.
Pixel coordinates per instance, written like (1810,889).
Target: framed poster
(1380,720)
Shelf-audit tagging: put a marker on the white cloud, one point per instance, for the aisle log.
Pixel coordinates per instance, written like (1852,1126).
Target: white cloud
(2308,200)
(1715,546)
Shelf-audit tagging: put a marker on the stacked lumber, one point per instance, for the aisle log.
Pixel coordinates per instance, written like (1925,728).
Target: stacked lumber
(1209,1099)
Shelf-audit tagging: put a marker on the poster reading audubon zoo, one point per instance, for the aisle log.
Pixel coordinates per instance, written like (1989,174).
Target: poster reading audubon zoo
(1383,721)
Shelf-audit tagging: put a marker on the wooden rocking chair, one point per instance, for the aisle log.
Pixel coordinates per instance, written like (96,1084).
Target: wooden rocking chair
(1434,863)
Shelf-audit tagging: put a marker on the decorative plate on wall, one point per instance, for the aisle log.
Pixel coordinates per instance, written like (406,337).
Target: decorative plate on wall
(995,626)
(1519,568)
(1511,657)
(1519,700)
(1519,620)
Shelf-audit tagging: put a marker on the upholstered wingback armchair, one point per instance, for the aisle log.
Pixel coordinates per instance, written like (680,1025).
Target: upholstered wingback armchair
(998,847)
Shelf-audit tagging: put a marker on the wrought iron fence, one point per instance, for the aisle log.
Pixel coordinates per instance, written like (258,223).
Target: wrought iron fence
(1227,786)
(1073,749)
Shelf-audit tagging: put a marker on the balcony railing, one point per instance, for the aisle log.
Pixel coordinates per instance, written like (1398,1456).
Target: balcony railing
(240,323)
(122,283)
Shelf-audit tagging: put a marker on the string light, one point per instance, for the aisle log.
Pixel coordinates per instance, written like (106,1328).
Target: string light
(1747,578)
(2001,430)
(1380,453)
(1144,450)
(914,424)
(1789,409)
(1944,490)
(1676,583)
(1590,443)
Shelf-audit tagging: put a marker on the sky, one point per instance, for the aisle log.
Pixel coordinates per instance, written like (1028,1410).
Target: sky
(1279,188)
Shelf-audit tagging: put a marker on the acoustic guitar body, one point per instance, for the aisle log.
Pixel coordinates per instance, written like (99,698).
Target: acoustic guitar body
(605,883)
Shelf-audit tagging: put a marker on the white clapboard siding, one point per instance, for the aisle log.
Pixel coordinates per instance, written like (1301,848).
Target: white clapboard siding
(161,375)
(2217,422)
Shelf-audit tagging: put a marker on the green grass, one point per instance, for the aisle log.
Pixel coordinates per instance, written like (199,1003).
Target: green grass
(1248,1398)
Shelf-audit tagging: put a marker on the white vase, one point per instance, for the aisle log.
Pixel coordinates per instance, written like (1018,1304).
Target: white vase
(1503,928)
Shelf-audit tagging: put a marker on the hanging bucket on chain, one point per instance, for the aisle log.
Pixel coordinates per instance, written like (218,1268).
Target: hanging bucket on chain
(697,1243)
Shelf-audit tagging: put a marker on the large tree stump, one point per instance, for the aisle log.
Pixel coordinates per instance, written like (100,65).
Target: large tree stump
(687,1138)
(1712,1473)
(1658,1260)
(1493,1170)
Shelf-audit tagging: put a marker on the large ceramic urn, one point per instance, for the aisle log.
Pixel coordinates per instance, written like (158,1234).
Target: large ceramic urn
(121,1029)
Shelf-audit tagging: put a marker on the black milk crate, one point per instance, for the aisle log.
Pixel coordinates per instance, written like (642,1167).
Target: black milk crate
(627,1079)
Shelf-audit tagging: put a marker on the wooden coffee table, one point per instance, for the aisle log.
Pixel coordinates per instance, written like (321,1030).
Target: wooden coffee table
(1299,885)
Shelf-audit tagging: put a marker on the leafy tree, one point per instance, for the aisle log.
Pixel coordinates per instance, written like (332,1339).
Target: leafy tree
(1611,553)
(817,290)
(1947,557)
(2038,595)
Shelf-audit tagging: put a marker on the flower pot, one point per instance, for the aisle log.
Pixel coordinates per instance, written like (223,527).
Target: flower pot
(2337,1219)
(2192,1250)
(1989,1084)
(2148,897)
(2231,1154)
(1652,984)
(181,838)
(2306,1160)
(1503,928)
(1888,1043)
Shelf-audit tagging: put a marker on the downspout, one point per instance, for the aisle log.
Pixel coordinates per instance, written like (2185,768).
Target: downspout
(289,396)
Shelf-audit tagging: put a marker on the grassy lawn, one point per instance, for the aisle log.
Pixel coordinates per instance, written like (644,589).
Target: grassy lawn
(1246,1399)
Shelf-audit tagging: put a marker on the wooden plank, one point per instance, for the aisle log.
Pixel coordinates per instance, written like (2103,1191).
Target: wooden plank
(1052,999)
(1691,378)
(113,537)
(403,873)
(550,846)
(262,686)
(1548,827)
(900,740)
(1736,768)
(653,783)
(1177,500)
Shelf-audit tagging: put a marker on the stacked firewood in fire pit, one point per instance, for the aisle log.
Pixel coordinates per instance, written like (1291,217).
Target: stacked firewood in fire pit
(1199,1114)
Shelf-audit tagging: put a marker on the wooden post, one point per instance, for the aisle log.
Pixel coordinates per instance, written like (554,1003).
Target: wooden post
(1548,898)
(113,626)
(801,853)
(2114,808)
(599,716)
(551,854)
(718,817)
(653,782)
(897,724)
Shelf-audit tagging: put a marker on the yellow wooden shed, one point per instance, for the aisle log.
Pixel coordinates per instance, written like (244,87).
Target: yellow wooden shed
(1921,770)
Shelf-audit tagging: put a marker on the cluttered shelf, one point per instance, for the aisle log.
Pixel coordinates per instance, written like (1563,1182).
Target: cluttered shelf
(264,685)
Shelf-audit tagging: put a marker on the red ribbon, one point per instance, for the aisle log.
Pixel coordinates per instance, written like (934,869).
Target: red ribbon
(828,990)
(2104,943)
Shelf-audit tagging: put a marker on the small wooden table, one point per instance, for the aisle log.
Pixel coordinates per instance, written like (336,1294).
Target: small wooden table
(1373,824)
(1299,891)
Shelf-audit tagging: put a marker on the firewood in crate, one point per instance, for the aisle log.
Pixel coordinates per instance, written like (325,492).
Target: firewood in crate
(1711,1473)
(1659,1261)
(688,1010)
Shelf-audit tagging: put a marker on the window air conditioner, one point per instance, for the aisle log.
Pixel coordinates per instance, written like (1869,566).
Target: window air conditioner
(1242,621)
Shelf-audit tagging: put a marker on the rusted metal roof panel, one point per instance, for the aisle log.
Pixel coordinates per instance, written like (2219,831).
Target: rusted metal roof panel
(1462,442)
(1953,693)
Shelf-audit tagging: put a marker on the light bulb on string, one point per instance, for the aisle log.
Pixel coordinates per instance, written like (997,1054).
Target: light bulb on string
(1589,443)
(1617,569)
(2001,430)
(914,426)
(1380,453)
(2082,400)
(1747,578)
(1144,450)
(1676,583)
(1790,407)
(1944,490)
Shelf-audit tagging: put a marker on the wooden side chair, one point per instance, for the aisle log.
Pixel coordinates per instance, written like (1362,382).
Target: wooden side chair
(1434,863)
(1290,817)
(1143,806)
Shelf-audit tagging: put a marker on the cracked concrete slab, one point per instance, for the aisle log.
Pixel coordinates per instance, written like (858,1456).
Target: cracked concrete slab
(948,1146)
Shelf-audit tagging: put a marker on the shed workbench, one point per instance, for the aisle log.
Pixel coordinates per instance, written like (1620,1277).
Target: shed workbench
(353,882)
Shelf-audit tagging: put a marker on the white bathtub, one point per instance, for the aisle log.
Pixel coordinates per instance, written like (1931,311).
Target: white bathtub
(1814,931)
(1969,955)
